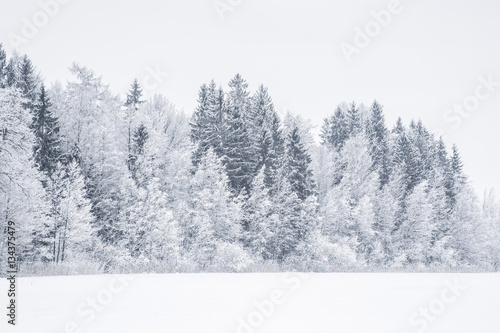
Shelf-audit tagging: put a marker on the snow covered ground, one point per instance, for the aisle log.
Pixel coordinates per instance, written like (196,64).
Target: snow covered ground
(258,303)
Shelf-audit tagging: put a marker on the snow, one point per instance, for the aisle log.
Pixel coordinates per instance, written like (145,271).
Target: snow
(291,302)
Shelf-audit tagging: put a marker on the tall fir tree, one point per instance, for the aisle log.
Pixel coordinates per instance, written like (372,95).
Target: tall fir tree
(132,104)
(336,130)
(378,134)
(268,136)
(354,120)
(3,67)
(239,151)
(47,149)
(297,166)
(27,82)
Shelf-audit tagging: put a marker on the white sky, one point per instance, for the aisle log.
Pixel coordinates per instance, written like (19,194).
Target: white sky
(427,59)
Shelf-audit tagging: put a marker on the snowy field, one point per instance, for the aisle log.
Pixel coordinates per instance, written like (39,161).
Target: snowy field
(258,303)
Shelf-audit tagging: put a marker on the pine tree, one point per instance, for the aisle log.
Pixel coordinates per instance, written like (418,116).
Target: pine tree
(47,149)
(335,130)
(214,218)
(3,67)
(297,166)
(139,140)
(239,152)
(354,120)
(378,135)
(405,161)
(268,136)
(398,128)
(207,123)
(291,228)
(12,71)
(132,104)
(456,177)
(414,235)
(27,82)
(258,219)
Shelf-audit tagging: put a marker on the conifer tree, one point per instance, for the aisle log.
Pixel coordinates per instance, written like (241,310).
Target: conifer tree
(12,71)
(378,134)
(297,166)
(336,130)
(259,219)
(3,67)
(238,149)
(207,123)
(27,82)
(47,149)
(132,104)
(354,120)
(268,136)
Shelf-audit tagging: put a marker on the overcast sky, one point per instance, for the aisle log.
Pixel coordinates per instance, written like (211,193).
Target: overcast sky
(426,58)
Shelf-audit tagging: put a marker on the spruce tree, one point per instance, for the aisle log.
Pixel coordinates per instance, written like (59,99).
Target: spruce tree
(27,82)
(3,67)
(297,166)
(47,149)
(398,127)
(12,71)
(238,148)
(133,102)
(336,130)
(354,120)
(140,137)
(267,136)
(207,122)
(378,135)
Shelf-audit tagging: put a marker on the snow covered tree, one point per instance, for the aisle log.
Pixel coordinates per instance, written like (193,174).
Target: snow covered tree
(378,134)
(413,237)
(132,104)
(47,149)
(268,135)
(207,127)
(152,232)
(3,67)
(213,221)
(72,232)
(22,198)
(297,166)
(139,140)
(260,219)
(354,120)
(92,124)
(27,82)
(239,152)
(336,129)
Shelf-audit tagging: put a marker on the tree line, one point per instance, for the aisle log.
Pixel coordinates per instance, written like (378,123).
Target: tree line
(134,184)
